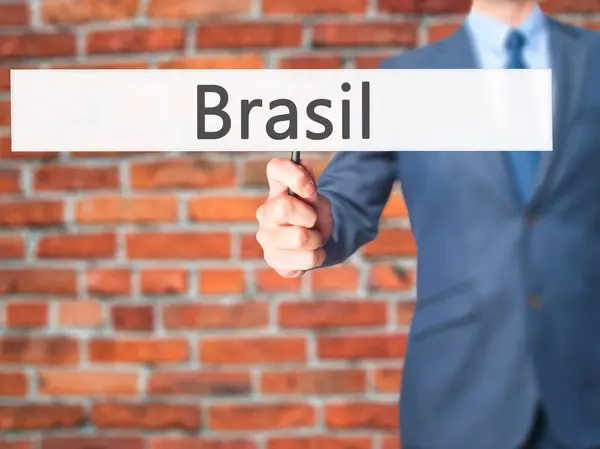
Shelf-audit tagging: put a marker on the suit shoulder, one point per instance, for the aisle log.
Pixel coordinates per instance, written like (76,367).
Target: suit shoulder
(417,58)
(589,35)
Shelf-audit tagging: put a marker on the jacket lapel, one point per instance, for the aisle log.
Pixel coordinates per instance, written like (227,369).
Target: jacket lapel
(568,58)
(459,53)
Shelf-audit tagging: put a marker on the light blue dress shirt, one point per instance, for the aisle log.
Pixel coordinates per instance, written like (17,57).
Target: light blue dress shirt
(489,37)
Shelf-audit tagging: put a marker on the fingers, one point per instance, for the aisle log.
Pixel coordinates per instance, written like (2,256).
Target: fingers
(290,246)
(289,238)
(283,174)
(288,262)
(285,209)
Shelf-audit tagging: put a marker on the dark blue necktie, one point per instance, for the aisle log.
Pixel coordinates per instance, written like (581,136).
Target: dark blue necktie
(525,164)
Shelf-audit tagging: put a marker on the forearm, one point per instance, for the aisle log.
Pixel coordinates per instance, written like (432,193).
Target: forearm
(358,185)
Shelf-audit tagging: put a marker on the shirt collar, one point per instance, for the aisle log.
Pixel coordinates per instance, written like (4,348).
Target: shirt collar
(492,33)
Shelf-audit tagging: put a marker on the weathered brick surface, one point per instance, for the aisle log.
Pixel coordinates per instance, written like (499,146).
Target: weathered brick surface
(136,311)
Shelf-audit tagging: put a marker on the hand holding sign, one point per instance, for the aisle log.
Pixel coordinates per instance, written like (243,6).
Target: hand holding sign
(293,229)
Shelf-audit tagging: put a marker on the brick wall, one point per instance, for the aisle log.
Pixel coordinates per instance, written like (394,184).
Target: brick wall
(136,309)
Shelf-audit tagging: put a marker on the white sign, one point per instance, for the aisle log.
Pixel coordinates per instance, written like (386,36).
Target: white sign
(277,110)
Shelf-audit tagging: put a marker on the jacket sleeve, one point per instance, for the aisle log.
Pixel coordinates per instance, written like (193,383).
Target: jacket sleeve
(358,185)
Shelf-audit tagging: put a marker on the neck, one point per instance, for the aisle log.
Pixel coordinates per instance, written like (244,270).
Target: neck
(511,12)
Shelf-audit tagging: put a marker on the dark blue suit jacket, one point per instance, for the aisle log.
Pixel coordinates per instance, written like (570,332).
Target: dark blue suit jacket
(508,311)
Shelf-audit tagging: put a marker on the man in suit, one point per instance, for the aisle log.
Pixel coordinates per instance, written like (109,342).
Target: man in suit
(503,349)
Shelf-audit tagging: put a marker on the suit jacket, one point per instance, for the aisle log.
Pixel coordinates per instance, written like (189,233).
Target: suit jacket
(508,293)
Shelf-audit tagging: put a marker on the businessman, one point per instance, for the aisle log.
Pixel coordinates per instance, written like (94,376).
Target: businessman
(504,348)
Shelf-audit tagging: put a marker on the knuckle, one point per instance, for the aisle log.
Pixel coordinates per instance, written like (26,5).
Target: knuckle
(299,237)
(260,237)
(273,166)
(314,259)
(282,207)
(260,212)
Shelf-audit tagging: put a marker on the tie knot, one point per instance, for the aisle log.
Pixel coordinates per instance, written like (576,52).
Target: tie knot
(515,41)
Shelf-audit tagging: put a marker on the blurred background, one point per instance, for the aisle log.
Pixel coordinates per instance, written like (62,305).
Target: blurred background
(136,310)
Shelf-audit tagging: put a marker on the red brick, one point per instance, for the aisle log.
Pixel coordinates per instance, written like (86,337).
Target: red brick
(38,45)
(232,417)
(51,177)
(135,40)
(10,181)
(253,350)
(314,61)
(92,441)
(109,281)
(370,61)
(87,383)
(237,61)
(425,6)
(167,350)
(222,281)
(4,111)
(387,380)
(14,13)
(268,280)
(195,172)
(81,11)
(26,314)
(40,417)
(185,442)
(31,213)
(185,383)
(314,6)
(164,281)
(362,415)
(315,382)
(395,207)
(250,249)
(332,313)
(38,280)
(146,416)
(254,170)
(404,313)
(192,9)
(13,384)
(444,6)
(439,31)
(392,242)
(178,245)
(102,65)
(77,246)
(39,350)
(391,277)
(592,25)
(80,314)
(400,6)
(16,443)
(570,6)
(344,34)
(243,315)
(357,347)
(224,208)
(249,35)
(320,442)
(115,209)
(12,247)
(334,279)
(132,317)
(390,442)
